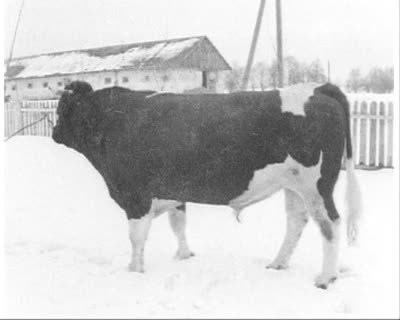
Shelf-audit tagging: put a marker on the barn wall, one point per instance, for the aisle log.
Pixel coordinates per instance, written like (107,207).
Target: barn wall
(55,84)
(206,57)
(38,91)
(166,80)
(158,80)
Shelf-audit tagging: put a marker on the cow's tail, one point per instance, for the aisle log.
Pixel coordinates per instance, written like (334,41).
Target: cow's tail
(353,192)
(353,201)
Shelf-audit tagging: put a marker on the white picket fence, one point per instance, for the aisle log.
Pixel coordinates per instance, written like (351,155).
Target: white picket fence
(372,129)
(19,115)
(371,125)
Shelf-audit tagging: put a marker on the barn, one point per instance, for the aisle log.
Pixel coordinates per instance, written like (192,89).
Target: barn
(177,65)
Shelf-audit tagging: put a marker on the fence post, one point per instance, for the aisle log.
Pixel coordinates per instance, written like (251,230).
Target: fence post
(382,125)
(390,135)
(18,115)
(372,133)
(356,131)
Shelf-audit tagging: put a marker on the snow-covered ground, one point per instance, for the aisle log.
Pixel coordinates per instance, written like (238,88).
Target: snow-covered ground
(67,251)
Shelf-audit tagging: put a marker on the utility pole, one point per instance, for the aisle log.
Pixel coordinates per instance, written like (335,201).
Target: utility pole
(253,45)
(279,42)
(14,36)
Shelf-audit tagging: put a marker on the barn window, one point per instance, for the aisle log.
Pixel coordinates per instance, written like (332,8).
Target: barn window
(30,85)
(125,79)
(13,87)
(45,84)
(147,78)
(107,80)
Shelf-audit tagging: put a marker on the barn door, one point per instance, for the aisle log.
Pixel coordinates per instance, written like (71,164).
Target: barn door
(209,81)
(205,79)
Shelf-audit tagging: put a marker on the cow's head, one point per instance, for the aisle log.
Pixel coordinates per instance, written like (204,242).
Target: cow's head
(74,115)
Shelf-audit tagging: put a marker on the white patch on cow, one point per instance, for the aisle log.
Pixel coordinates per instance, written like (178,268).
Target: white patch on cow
(294,97)
(354,204)
(296,219)
(302,181)
(159,206)
(177,221)
(138,231)
(330,257)
(290,174)
(314,203)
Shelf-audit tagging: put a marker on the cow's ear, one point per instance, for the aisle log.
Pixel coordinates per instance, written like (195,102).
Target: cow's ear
(79,87)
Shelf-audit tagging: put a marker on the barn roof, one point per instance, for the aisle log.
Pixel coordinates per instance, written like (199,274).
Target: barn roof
(196,53)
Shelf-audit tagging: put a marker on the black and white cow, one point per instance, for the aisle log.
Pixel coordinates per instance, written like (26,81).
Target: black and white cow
(158,151)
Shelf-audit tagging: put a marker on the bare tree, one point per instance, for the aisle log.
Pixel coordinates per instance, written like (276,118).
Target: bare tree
(315,72)
(380,80)
(259,76)
(354,82)
(295,70)
(233,79)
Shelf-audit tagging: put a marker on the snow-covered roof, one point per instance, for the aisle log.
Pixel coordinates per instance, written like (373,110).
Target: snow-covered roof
(175,53)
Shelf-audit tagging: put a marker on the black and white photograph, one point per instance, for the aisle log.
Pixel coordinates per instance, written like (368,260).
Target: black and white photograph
(200,159)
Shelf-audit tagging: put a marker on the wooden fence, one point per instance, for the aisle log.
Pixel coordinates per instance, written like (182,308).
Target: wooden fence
(371,125)
(372,129)
(18,115)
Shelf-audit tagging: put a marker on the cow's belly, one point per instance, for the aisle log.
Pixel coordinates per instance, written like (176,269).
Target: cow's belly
(159,206)
(242,189)
(290,175)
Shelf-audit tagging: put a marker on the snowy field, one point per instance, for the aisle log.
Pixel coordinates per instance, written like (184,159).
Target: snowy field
(67,251)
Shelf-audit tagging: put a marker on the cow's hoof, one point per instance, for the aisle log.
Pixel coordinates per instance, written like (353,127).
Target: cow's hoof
(322,282)
(182,255)
(135,268)
(277,266)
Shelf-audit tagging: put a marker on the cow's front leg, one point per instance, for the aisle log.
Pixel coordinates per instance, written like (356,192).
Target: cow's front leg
(177,220)
(138,231)
(296,220)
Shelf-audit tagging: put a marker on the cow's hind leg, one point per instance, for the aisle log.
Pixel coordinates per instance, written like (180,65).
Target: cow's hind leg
(138,231)
(296,220)
(177,220)
(323,211)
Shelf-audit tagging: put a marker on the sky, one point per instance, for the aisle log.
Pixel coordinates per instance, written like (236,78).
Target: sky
(348,33)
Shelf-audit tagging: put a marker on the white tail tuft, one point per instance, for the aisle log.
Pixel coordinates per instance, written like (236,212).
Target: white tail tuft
(353,201)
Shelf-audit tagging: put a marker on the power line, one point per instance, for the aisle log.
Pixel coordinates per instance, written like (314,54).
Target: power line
(14,36)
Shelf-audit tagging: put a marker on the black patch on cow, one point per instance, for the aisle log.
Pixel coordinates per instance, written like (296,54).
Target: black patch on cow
(334,92)
(196,148)
(337,133)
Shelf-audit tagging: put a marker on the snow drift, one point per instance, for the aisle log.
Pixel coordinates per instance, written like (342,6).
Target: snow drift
(67,251)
